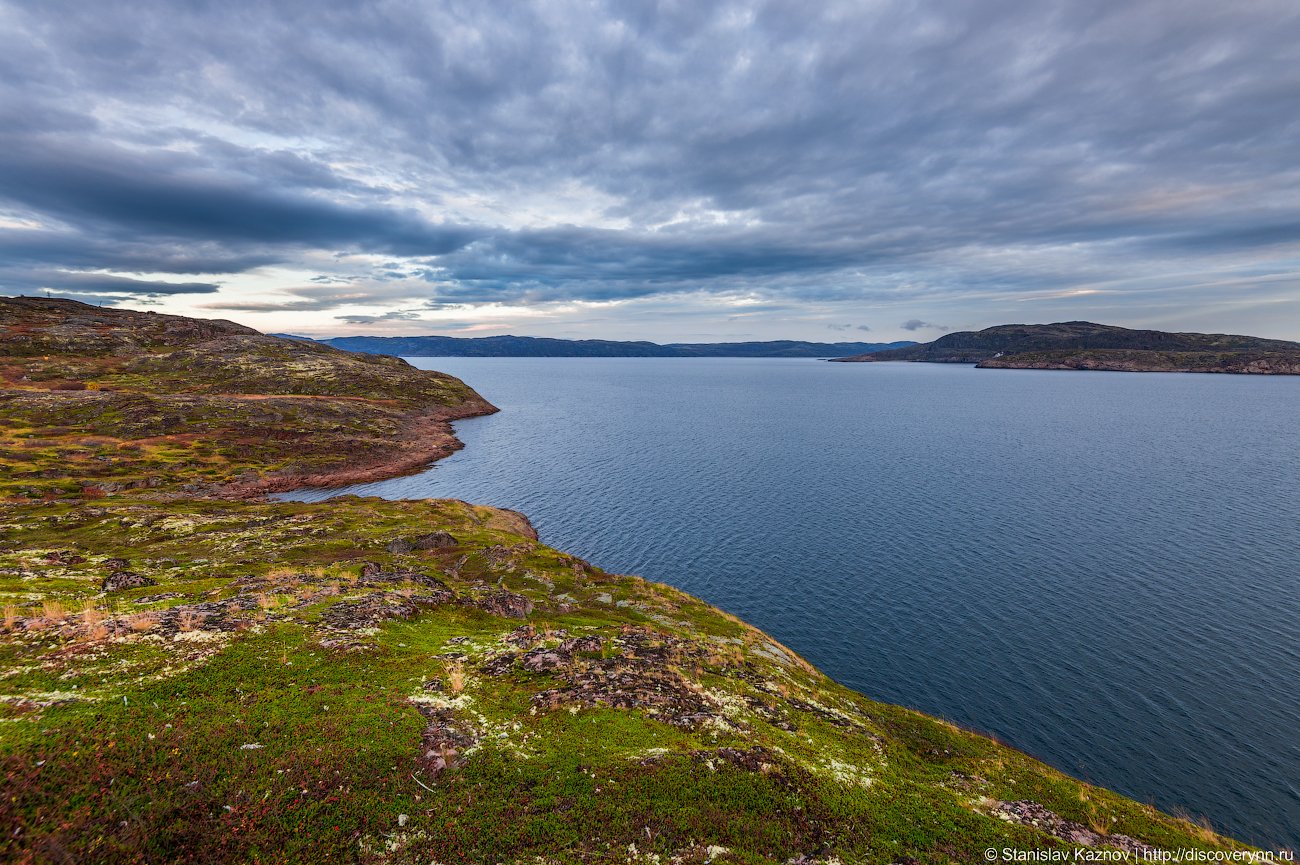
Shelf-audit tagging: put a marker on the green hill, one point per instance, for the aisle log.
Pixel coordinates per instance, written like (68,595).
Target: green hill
(192,673)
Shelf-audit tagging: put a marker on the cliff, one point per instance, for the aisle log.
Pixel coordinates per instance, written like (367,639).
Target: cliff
(190,676)
(1084,345)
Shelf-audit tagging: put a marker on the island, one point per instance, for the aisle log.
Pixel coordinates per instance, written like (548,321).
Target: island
(1084,345)
(195,672)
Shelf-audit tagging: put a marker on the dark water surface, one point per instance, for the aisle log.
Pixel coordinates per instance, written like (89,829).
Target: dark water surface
(1102,569)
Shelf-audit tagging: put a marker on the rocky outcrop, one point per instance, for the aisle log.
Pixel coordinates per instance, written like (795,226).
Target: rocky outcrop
(121,580)
(1032,814)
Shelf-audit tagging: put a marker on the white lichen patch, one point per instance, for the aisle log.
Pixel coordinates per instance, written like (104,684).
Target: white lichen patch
(381,848)
(200,636)
(843,773)
(43,699)
(460,702)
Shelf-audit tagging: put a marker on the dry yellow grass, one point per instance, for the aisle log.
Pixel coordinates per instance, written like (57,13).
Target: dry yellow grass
(11,617)
(142,622)
(53,611)
(455,678)
(189,620)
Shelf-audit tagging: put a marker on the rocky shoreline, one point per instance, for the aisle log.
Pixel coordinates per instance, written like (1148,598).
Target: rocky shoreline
(424,438)
(1228,363)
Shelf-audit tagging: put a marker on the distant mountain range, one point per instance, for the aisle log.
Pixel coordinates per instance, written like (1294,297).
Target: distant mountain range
(532,346)
(1085,345)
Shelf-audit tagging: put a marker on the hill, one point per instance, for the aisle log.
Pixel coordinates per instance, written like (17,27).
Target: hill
(1085,345)
(532,346)
(193,673)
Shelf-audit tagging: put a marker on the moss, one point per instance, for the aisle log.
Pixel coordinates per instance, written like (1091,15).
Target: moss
(290,688)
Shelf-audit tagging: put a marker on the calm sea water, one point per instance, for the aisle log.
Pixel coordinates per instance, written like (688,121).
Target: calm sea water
(1102,569)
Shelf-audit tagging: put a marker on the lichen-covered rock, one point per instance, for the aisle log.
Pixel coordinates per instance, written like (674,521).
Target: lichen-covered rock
(434,541)
(503,603)
(121,580)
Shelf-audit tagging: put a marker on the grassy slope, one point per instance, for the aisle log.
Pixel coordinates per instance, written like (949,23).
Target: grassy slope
(272,697)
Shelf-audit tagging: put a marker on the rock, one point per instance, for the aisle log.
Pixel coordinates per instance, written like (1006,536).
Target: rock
(1029,813)
(119,580)
(544,659)
(428,541)
(582,644)
(434,541)
(378,607)
(165,596)
(64,557)
(115,564)
(432,685)
(372,576)
(524,635)
(504,603)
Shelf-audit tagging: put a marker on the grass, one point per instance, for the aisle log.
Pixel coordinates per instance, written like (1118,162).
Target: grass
(267,702)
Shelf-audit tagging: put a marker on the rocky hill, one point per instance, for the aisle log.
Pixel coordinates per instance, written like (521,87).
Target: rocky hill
(104,400)
(192,676)
(1084,345)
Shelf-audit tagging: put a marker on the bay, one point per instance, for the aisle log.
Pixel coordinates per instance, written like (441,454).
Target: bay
(1102,569)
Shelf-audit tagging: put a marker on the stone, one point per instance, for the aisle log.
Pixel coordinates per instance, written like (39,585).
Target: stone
(120,580)
(543,659)
(434,541)
(504,603)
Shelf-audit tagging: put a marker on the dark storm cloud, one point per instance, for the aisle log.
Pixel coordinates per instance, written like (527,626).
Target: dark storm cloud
(120,193)
(895,151)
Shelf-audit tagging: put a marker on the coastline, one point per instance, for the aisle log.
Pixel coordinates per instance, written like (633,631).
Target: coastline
(427,436)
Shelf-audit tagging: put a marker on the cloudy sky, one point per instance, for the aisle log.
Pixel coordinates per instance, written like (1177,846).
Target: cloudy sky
(868,170)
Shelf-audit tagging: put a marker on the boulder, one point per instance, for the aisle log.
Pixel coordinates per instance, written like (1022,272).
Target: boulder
(120,580)
(506,604)
(434,541)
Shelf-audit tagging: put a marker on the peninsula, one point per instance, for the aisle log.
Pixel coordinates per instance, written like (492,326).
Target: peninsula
(1088,346)
(194,673)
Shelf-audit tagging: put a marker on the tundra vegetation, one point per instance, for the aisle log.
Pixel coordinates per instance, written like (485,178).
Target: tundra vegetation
(194,673)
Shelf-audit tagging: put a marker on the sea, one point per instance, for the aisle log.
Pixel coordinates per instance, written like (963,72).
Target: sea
(1101,569)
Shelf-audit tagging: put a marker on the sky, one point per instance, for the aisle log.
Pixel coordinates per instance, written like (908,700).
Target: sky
(674,171)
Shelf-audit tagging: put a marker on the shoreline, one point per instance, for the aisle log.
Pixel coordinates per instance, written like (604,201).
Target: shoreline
(426,438)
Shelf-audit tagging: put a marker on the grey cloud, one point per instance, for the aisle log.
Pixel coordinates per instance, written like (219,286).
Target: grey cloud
(99,285)
(914,324)
(393,315)
(114,191)
(892,152)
